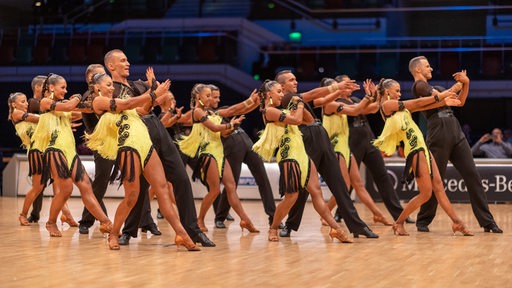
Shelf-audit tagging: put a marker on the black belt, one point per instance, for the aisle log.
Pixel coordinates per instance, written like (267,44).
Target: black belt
(443,114)
(316,123)
(360,123)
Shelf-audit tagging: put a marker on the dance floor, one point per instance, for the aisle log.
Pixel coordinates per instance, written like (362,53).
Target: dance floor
(30,258)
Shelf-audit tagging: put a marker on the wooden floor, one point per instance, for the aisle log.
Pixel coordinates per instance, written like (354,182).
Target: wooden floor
(30,258)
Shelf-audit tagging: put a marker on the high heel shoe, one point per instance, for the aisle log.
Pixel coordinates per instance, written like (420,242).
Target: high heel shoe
(459,227)
(367,233)
(324,223)
(23,220)
(272,235)
(340,235)
(113,242)
(188,244)
(249,226)
(71,222)
(106,227)
(381,219)
(53,229)
(399,230)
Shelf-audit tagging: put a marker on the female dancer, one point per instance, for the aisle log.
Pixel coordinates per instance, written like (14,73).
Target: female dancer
(212,166)
(25,123)
(121,135)
(336,124)
(420,164)
(55,137)
(297,171)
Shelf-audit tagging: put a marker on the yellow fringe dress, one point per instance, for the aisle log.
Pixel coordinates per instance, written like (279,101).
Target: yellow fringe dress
(205,144)
(336,126)
(288,140)
(25,130)
(55,138)
(401,127)
(121,132)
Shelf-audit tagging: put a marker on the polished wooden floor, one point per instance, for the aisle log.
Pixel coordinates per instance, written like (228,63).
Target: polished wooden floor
(30,258)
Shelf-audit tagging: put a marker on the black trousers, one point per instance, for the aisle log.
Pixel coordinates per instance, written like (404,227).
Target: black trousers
(238,150)
(102,171)
(447,142)
(363,150)
(321,152)
(175,173)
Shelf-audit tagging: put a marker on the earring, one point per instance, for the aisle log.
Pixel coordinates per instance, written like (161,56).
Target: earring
(51,95)
(13,108)
(99,93)
(200,102)
(270,101)
(388,97)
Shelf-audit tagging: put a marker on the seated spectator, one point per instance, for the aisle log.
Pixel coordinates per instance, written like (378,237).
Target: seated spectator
(497,148)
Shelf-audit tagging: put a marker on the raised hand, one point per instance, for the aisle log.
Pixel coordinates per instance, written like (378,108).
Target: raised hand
(179,111)
(150,77)
(461,77)
(237,120)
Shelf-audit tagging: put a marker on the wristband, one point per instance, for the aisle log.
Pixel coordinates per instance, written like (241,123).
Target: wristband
(436,97)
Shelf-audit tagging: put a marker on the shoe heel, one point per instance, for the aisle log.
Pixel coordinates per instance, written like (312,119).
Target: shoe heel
(181,242)
(249,226)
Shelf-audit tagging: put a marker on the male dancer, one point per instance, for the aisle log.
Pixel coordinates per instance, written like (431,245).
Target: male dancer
(117,64)
(321,152)
(238,150)
(33,107)
(360,144)
(447,142)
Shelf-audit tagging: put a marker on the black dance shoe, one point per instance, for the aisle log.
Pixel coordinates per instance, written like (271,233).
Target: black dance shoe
(409,220)
(220,224)
(151,228)
(124,239)
(203,239)
(230,218)
(158,214)
(33,219)
(367,232)
(285,232)
(422,228)
(492,228)
(82,229)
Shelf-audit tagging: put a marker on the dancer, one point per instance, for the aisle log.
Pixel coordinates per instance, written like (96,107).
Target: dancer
(121,135)
(55,137)
(212,167)
(320,151)
(117,64)
(102,166)
(25,124)
(336,124)
(33,107)
(419,165)
(298,172)
(361,136)
(447,142)
(238,149)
